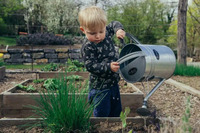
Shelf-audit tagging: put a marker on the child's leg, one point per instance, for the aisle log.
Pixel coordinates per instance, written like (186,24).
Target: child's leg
(101,98)
(116,106)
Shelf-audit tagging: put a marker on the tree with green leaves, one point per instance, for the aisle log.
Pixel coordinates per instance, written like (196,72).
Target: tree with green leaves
(148,20)
(10,16)
(192,28)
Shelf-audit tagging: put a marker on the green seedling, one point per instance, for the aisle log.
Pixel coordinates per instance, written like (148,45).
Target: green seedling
(77,63)
(36,81)
(75,77)
(123,117)
(74,66)
(185,119)
(51,84)
(50,67)
(29,88)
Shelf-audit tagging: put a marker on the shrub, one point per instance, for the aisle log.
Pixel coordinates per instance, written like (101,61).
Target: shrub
(42,39)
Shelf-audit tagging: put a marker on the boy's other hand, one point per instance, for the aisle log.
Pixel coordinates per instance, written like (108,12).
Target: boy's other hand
(114,66)
(120,33)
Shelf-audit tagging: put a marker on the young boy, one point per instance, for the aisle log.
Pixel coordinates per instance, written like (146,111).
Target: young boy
(100,58)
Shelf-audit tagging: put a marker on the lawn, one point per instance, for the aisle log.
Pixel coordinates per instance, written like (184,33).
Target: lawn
(21,66)
(7,41)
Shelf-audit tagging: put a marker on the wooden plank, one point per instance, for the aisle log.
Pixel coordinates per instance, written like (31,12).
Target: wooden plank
(183,87)
(18,113)
(133,101)
(18,101)
(6,122)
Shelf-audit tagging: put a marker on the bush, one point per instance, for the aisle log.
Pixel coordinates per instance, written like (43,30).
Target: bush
(42,39)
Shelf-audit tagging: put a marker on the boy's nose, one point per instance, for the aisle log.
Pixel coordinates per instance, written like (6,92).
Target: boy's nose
(97,35)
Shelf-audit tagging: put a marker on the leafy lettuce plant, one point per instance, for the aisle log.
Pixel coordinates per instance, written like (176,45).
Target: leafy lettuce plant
(75,66)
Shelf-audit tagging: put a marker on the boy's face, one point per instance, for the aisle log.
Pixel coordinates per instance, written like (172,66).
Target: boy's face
(96,35)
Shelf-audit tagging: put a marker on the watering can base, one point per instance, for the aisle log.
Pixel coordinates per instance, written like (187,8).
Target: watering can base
(143,111)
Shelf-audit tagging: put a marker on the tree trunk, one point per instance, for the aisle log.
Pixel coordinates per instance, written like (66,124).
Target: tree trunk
(182,41)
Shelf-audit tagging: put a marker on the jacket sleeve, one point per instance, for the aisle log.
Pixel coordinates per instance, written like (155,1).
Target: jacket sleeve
(113,27)
(95,67)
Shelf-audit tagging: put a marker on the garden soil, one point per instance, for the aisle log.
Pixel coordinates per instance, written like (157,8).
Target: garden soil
(168,101)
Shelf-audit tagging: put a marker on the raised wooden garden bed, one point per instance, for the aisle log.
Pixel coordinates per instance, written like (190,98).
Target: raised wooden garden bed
(14,105)
(2,72)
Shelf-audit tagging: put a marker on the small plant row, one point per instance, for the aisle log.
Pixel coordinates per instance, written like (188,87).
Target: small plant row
(50,83)
(43,39)
(71,66)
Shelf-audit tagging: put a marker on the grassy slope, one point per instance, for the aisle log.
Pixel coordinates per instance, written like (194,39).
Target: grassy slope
(7,41)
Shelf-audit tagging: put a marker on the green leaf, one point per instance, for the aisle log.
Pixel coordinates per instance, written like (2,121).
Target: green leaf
(21,86)
(130,131)
(127,111)
(30,88)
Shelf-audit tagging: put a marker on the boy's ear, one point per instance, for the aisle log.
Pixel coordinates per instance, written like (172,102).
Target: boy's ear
(81,28)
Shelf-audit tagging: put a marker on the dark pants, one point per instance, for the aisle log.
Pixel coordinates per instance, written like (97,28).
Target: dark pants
(107,101)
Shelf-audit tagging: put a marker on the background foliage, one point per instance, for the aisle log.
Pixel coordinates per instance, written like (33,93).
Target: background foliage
(151,21)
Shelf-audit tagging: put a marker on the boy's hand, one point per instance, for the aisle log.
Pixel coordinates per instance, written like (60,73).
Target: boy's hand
(114,66)
(120,33)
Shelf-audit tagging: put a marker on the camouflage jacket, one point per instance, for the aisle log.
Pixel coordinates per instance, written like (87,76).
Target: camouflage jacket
(97,59)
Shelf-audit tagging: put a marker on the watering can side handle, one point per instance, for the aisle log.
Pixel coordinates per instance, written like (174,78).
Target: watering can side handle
(122,42)
(130,56)
(131,37)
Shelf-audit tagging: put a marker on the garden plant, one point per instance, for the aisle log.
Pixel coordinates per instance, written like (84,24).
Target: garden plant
(64,111)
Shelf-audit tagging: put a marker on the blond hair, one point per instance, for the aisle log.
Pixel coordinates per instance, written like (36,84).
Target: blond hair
(92,17)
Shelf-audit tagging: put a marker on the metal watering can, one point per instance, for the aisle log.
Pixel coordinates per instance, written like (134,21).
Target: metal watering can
(139,62)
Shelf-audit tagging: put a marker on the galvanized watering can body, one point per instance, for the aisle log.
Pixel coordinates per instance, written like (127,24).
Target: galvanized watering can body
(139,62)
(153,62)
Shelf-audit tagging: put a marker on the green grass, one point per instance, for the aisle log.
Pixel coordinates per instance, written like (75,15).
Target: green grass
(21,66)
(1,62)
(187,70)
(7,41)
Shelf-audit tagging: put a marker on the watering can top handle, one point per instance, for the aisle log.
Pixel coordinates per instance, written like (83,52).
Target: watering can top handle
(131,37)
